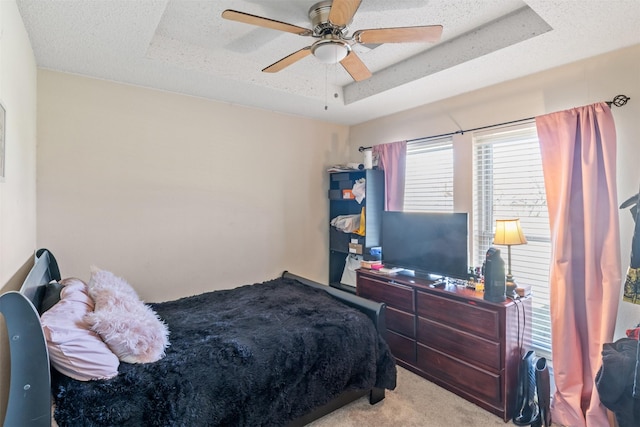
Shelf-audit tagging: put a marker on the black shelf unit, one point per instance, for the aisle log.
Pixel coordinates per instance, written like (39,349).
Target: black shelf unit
(373,204)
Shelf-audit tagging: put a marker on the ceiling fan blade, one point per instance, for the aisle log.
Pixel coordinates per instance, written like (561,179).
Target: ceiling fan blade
(429,33)
(288,60)
(355,67)
(342,11)
(247,18)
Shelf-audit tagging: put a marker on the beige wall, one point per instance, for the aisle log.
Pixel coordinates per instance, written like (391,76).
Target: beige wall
(209,195)
(585,82)
(18,96)
(18,189)
(178,194)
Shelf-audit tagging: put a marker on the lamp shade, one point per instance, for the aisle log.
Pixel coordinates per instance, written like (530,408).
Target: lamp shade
(508,232)
(330,51)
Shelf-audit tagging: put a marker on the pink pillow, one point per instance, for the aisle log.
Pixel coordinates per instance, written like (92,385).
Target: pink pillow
(131,329)
(74,349)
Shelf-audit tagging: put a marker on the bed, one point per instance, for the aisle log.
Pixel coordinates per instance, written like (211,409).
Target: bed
(283,352)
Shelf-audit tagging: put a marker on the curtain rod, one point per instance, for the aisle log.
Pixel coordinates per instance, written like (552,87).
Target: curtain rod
(618,101)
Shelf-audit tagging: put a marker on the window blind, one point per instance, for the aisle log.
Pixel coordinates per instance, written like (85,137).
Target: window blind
(508,183)
(429,176)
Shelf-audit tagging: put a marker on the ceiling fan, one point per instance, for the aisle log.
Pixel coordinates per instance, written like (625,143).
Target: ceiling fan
(329,20)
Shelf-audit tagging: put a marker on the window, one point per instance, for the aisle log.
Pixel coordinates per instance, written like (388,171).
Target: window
(429,176)
(508,183)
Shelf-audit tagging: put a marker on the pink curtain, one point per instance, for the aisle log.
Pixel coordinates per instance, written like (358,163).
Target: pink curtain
(392,158)
(578,149)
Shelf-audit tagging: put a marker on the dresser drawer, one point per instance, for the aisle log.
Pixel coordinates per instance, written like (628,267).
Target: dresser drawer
(393,294)
(401,322)
(402,347)
(463,315)
(465,346)
(483,385)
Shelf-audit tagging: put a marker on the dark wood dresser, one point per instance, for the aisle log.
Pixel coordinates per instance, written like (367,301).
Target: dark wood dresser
(453,337)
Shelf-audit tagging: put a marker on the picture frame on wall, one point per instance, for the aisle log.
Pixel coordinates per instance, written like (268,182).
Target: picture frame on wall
(3,133)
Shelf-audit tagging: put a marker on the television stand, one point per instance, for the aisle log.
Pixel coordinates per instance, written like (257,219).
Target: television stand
(453,337)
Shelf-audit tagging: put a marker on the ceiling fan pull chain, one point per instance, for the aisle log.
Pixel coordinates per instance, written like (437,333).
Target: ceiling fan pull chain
(326,87)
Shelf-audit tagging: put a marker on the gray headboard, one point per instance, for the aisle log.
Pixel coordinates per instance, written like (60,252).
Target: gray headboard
(30,388)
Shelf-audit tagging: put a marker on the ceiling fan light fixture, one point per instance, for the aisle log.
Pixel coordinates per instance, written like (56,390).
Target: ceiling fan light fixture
(330,51)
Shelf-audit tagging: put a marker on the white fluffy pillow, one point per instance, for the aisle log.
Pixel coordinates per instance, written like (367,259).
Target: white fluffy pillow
(131,329)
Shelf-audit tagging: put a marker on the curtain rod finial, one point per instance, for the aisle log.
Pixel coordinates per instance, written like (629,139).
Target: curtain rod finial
(618,101)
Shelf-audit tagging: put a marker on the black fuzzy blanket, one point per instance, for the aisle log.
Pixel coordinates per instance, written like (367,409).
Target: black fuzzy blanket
(258,355)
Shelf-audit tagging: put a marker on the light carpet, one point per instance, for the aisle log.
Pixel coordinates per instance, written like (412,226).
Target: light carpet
(415,402)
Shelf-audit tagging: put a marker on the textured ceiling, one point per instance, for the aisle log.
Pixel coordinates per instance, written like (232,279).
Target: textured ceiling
(186,47)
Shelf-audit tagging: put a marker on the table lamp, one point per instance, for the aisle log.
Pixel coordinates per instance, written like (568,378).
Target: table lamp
(509,233)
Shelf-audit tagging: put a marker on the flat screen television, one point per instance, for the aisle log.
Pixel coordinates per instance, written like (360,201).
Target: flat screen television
(429,244)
